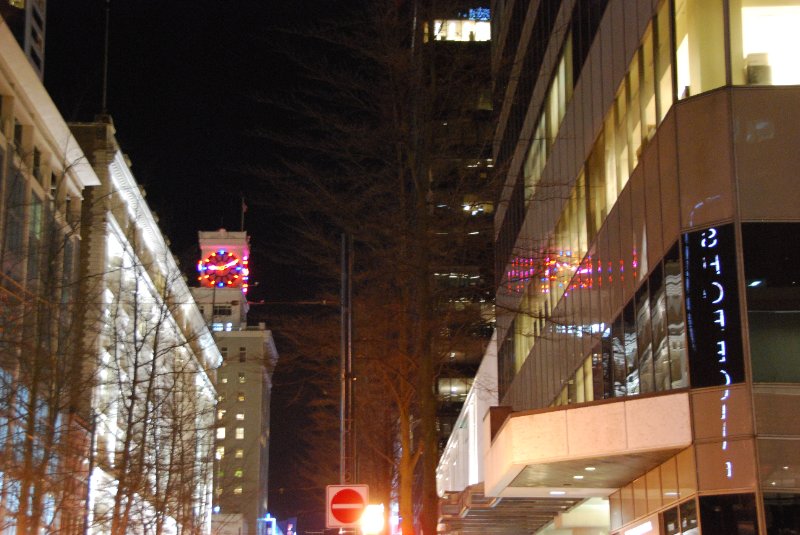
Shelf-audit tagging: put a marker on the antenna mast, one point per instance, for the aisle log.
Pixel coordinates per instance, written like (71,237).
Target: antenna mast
(104,103)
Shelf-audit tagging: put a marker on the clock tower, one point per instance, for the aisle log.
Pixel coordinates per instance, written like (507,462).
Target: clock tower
(224,258)
(243,382)
(223,273)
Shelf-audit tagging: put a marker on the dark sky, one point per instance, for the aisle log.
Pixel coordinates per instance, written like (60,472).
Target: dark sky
(185,77)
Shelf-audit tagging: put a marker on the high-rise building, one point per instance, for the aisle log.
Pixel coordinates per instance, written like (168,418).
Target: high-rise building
(26,19)
(244,383)
(43,439)
(647,251)
(461,196)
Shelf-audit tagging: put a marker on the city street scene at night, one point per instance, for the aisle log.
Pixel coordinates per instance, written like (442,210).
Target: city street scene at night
(399,267)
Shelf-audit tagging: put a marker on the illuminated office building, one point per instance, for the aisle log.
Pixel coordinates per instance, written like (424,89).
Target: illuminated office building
(649,289)
(459,36)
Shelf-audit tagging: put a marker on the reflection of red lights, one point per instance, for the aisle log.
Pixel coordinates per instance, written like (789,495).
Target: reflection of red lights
(564,271)
(548,269)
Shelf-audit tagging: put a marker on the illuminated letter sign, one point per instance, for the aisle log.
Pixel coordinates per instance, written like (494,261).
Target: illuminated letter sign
(712,307)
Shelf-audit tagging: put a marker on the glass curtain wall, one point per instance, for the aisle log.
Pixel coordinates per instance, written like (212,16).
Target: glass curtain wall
(764,43)
(555,107)
(614,156)
(700,48)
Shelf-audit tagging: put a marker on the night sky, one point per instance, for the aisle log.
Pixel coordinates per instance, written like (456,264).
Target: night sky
(186,84)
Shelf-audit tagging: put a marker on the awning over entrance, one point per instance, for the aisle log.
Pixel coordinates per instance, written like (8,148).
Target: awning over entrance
(585,451)
(471,512)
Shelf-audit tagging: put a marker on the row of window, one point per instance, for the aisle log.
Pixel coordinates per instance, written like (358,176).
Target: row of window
(222,412)
(643,98)
(242,378)
(732,514)
(585,22)
(643,349)
(238,433)
(615,154)
(236,490)
(219,453)
(30,230)
(224,350)
(222,397)
(237,473)
(459,30)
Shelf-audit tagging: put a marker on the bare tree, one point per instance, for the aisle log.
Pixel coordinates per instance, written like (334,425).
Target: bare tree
(44,436)
(393,151)
(153,425)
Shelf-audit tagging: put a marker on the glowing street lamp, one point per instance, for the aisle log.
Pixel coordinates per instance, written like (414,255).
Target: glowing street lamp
(372,520)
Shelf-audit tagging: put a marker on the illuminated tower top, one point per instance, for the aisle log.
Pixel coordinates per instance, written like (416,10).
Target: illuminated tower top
(224,259)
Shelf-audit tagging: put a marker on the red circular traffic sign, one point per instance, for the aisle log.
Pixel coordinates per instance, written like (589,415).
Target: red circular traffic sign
(347,505)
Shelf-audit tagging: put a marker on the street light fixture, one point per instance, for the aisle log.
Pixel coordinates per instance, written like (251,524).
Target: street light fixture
(372,520)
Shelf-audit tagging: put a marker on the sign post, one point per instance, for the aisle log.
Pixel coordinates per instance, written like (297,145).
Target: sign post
(345,504)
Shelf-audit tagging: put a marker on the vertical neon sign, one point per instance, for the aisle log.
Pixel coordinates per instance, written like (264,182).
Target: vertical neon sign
(712,314)
(712,307)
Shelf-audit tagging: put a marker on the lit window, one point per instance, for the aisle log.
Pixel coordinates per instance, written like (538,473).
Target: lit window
(768,36)
(220,433)
(239,453)
(237,490)
(238,473)
(240,397)
(241,377)
(220,453)
(221,396)
(224,380)
(228,327)
(216,326)
(239,433)
(477,29)
(240,416)
(221,414)
(219,491)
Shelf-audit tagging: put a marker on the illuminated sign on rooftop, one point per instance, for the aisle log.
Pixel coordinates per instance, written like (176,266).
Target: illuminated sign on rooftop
(480,13)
